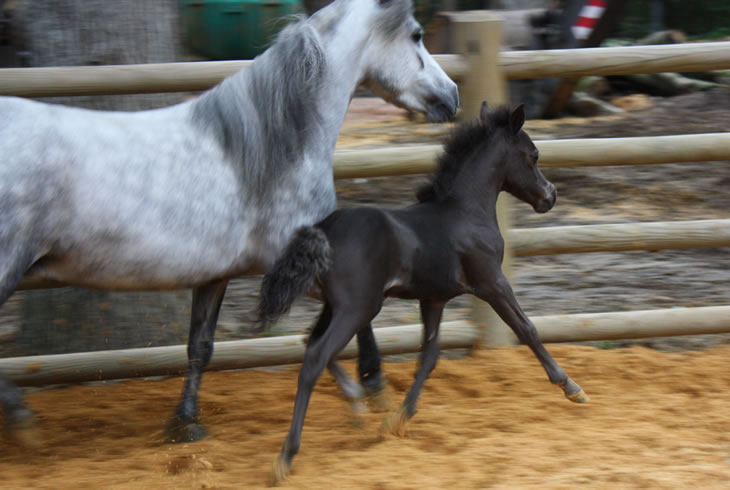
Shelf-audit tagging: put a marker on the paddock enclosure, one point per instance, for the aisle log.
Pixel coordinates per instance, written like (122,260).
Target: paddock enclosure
(655,419)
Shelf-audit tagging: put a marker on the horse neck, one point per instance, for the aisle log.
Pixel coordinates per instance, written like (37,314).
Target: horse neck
(273,122)
(477,187)
(344,35)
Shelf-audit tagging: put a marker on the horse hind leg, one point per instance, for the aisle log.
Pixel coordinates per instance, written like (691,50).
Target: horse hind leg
(320,351)
(19,421)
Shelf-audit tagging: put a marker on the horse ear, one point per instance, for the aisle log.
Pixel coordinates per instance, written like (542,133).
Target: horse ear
(483,113)
(311,6)
(517,119)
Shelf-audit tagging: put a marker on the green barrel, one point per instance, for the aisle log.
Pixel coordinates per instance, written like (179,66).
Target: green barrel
(234,29)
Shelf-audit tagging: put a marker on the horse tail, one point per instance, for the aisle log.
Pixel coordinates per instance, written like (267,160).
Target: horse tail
(305,260)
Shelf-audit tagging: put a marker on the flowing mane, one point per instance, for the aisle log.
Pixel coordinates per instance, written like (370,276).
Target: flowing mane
(463,140)
(262,115)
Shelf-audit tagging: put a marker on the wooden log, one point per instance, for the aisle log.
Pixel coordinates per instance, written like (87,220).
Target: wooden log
(239,354)
(594,152)
(574,63)
(634,324)
(162,361)
(587,152)
(139,79)
(621,237)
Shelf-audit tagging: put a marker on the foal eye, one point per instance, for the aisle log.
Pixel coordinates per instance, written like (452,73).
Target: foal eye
(417,36)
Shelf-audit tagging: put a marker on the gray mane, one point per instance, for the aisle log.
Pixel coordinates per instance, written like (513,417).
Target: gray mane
(263,115)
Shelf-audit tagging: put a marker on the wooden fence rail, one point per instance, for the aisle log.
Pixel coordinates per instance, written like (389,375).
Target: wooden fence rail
(140,79)
(554,240)
(620,237)
(183,77)
(589,152)
(574,63)
(239,354)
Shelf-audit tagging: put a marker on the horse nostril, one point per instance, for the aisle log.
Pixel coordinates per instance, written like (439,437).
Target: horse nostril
(455,96)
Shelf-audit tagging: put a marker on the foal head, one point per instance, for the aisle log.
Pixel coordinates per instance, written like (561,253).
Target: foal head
(522,178)
(491,154)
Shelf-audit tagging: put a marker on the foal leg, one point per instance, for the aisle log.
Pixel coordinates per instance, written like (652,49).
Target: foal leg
(369,364)
(185,425)
(318,355)
(500,296)
(431,313)
(352,391)
(19,420)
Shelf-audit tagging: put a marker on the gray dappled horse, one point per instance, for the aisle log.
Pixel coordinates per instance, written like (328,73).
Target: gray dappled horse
(446,245)
(192,195)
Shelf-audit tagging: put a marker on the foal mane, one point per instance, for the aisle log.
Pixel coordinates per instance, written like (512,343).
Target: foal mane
(459,146)
(265,115)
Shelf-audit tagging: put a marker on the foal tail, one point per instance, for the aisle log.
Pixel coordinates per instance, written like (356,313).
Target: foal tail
(305,260)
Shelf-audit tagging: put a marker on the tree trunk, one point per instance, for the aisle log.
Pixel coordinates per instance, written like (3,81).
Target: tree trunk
(99,32)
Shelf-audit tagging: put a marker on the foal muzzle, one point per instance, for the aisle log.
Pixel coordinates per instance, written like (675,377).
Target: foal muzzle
(546,203)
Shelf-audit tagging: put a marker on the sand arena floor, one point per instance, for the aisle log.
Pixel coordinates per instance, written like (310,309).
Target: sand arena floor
(656,420)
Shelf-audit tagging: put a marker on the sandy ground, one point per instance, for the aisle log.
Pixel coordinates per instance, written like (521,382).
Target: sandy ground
(655,420)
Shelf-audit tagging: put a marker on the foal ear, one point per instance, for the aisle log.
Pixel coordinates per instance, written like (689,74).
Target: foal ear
(517,119)
(483,113)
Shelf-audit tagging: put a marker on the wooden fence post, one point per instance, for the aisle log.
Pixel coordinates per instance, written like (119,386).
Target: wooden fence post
(478,37)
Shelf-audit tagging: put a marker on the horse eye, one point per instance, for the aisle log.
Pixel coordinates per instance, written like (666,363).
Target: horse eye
(417,36)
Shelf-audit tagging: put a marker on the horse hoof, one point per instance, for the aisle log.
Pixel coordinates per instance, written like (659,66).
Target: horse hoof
(573,392)
(178,431)
(279,471)
(395,423)
(579,397)
(20,427)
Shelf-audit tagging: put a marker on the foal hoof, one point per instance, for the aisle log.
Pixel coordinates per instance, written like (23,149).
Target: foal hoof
(279,471)
(573,392)
(179,431)
(20,427)
(379,400)
(359,410)
(395,423)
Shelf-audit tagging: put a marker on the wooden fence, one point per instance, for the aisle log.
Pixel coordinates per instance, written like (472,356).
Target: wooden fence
(478,42)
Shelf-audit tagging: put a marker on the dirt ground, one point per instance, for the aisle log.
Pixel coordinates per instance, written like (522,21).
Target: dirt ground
(655,420)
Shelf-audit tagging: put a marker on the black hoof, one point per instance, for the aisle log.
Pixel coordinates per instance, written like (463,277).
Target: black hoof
(178,431)
(20,427)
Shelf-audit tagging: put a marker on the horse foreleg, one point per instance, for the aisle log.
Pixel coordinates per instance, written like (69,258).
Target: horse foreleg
(185,425)
(501,298)
(431,312)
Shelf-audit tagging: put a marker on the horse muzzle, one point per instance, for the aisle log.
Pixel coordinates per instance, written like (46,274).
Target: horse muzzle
(443,107)
(547,202)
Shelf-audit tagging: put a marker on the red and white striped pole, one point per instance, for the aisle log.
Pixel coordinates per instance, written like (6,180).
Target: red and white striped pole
(588,18)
